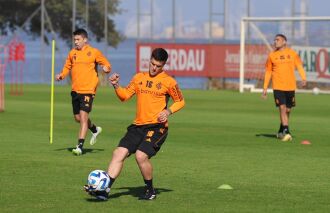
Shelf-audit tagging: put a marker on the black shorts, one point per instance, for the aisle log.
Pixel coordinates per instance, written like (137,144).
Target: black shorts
(82,102)
(146,138)
(285,98)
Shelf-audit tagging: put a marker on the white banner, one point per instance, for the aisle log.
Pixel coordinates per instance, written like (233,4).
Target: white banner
(316,62)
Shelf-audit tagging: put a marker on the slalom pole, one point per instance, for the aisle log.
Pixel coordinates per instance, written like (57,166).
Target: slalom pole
(52,95)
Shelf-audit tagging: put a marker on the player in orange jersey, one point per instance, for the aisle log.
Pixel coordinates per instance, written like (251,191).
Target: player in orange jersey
(82,61)
(150,127)
(280,67)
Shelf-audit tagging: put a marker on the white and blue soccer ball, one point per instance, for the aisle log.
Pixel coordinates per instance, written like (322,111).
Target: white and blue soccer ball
(98,180)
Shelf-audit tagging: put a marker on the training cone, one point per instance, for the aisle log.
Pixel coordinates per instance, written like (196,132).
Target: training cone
(305,142)
(225,186)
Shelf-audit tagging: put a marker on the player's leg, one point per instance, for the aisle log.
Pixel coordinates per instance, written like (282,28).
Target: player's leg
(115,166)
(78,149)
(155,136)
(87,105)
(145,166)
(280,102)
(288,111)
(280,131)
(285,122)
(85,102)
(76,115)
(96,130)
(83,124)
(117,161)
(146,169)
(127,145)
(290,102)
(77,118)
(83,117)
(283,115)
(114,169)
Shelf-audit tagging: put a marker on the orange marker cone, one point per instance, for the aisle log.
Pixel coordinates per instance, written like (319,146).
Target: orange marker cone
(305,142)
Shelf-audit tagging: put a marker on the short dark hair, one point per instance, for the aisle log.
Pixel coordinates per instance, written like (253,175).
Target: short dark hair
(81,32)
(281,35)
(159,54)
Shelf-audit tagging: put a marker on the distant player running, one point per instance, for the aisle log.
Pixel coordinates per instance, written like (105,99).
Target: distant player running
(280,67)
(150,128)
(82,62)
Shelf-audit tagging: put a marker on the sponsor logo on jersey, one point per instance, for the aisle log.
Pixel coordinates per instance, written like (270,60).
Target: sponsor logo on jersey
(159,86)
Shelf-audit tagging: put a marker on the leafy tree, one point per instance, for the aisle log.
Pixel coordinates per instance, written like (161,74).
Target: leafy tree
(15,12)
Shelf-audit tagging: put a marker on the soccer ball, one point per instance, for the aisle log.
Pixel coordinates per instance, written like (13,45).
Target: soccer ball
(98,180)
(316,91)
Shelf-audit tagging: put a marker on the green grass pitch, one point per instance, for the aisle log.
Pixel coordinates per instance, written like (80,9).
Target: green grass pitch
(220,137)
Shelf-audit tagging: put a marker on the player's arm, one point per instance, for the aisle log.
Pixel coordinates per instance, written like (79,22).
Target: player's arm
(300,69)
(178,100)
(268,75)
(66,69)
(103,61)
(178,103)
(122,93)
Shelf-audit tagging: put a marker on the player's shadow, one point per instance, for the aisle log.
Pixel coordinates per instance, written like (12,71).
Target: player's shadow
(135,191)
(94,200)
(266,135)
(86,151)
(131,191)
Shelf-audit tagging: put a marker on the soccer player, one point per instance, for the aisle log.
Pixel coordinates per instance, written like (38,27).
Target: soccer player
(150,128)
(280,67)
(82,61)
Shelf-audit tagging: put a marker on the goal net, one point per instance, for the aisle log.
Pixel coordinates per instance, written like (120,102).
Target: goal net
(308,36)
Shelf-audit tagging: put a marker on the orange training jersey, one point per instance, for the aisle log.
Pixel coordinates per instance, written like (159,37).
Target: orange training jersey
(280,67)
(82,64)
(152,96)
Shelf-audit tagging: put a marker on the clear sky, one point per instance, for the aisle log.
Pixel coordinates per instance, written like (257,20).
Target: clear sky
(191,15)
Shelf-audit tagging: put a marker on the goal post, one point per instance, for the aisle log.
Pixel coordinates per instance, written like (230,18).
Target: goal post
(309,36)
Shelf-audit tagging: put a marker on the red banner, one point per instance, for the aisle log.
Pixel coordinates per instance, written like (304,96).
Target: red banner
(201,60)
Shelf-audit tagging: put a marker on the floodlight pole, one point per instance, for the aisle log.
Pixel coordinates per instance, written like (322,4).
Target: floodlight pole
(212,14)
(151,19)
(138,20)
(210,20)
(293,12)
(106,27)
(225,19)
(87,13)
(248,15)
(42,35)
(139,14)
(173,21)
(73,18)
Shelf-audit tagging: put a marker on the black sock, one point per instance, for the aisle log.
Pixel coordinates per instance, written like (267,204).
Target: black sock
(281,128)
(92,128)
(286,130)
(112,180)
(148,184)
(81,143)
